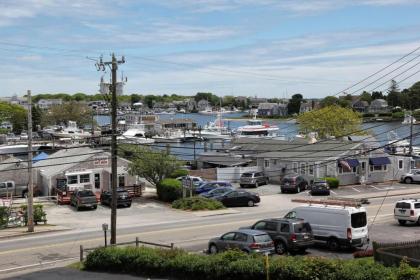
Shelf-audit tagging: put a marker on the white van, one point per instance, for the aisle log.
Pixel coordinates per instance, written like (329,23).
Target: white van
(338,226)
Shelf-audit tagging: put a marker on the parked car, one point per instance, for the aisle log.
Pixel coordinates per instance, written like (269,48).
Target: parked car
(407,210)
(253,179)
(196,180)
(123,198)
(23,136)
(238,198)
(208,186)
(8,189)
(83,199)
(295,183)
(319,187)
(412,176)
(289,235)
(246,240)
(216,192)
(338,226)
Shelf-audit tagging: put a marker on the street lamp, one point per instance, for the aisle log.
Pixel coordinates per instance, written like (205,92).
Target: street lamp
(105,229)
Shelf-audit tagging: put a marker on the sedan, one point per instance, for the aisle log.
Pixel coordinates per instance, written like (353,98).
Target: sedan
(238,198)
(216,192)
(208,186)
(123,198)
(320,188)
(246,240)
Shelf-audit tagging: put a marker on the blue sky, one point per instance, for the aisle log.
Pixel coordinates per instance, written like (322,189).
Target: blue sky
(267,48)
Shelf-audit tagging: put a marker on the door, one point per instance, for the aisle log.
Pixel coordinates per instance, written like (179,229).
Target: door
(239,241)
(242,199)
(271,229)
(226,241)
(416,176)
(285,230)
(97,178)
(231,199)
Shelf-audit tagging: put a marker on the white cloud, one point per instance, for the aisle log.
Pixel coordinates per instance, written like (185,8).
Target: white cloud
(29,58)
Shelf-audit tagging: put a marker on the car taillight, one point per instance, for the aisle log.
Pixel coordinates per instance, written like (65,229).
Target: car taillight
(293,237)
(254,246)
(411,212)
(349,236)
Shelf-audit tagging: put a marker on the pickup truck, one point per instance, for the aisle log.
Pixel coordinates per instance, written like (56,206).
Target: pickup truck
(8,189)
(83,198)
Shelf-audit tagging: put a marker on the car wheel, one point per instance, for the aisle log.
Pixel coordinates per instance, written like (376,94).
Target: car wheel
(408,180)
(282,191)
(25,195)
(298,189)
(333,244)
(129,205)
(251,203)
(213,249)
(257,184)
(94,207)
(418,222)
(402,222)
(280,247)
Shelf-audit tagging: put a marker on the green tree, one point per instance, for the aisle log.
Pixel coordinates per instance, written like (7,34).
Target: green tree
(377,95)
(150,164)
(366,96)
(414,96)
(293,106)
(134,98)
(393,96)
(331,121)
(15,114)
(37,117)
(328,101)
(69,111)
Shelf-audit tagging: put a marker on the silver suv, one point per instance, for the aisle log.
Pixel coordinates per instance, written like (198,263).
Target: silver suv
(407,210)
(412,176)
(253,179)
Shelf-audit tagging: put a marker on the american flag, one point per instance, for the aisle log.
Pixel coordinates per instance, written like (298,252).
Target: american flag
(345,165)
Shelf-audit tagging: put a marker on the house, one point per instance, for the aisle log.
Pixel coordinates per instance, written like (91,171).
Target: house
(81,167)
(268,109)
(283,111)
(46,104)
(182,124)
(378,106)
(191,105)
(254,102)
(305,107)
(360,106)
(215,159)
(203,105)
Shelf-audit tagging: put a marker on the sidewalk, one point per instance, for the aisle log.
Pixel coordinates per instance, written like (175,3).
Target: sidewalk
(23,231)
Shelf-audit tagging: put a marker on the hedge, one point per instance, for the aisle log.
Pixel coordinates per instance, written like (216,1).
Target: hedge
(235,265)
(332,182)
(398,115)
(3,216)
(179,173)
(169,190)
(197,203)
(39,214)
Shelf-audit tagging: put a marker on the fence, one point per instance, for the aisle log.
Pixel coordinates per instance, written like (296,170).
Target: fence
(137,242)
(233,174)
(391,254)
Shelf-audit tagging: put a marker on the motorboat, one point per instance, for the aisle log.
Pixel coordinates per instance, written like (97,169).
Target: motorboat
(256,128)
(177,136)
(215,130)
(398,146)
(408,119)
(71,131)
(134,135)
(207,111)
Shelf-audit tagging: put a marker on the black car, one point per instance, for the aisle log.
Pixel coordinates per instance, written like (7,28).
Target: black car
(238,198)
(294,183)
(123,199)
(320,187)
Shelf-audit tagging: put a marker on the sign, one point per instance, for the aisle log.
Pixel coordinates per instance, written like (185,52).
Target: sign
(100,161)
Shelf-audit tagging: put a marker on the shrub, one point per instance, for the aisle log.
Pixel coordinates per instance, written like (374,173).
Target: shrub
(232,265)
(197,203)
(169,190)
(385,114)
(3,216)
(39,214)
(179,173)
(368,115)
(398,115)
(332,182)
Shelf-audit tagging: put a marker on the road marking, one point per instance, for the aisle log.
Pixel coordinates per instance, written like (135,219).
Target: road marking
(355,189)
(35,265)
(376,188)
(333,192)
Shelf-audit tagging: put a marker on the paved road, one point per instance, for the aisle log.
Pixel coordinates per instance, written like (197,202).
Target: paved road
(160,224)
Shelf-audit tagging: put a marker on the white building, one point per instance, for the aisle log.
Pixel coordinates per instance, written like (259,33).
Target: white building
(48,103)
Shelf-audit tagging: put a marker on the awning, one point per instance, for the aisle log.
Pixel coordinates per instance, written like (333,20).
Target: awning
(379,161)
(351,162)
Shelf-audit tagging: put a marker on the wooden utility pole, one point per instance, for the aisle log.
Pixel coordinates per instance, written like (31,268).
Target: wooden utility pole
(411,133)
(30,209)
(114,176)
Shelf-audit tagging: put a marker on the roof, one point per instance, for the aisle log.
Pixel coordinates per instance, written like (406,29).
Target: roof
(361,103)
(250,231)
(173,121)
(223,159)
(12,163)
(267,106)
(62,160)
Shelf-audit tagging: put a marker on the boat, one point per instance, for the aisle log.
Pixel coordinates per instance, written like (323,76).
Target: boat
(166,113)
(408,119)
(215,130)
(177,136)
(71,131)
(207,111)
(398,146)
(135,135)
(256,128)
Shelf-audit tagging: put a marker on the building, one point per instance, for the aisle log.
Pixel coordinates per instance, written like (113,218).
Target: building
(360,106)
(46,104)
(14,169)
(203,105)
(80,168)
(254,102)
(378,106)
(268,109)
(190,105)
(305,107)
(178,124)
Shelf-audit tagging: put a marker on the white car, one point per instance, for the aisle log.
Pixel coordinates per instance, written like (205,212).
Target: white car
(23,136)
(196,180)
(407,210)
(413,176)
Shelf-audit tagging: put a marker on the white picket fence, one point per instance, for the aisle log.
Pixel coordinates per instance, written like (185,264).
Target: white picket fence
(233,174)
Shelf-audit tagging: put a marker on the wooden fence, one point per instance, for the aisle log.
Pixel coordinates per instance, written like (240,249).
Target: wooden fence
(391,254)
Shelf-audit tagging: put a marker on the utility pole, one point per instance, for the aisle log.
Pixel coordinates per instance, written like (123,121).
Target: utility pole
(30,183)
(113,64)
(411,133)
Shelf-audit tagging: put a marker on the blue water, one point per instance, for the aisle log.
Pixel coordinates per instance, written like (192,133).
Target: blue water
(186,150)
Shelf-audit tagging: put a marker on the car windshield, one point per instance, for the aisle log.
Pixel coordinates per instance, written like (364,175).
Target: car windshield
(86,193)
(358,220)
(302,228)
(262,238)
(403,205)
(247,175)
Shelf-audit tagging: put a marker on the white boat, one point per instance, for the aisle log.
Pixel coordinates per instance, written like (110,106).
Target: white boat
(135,135)
(207,111)
(408,119)
(398,146)
(215,130)
(71,131)
(256,128)
(176,136)
(166,113)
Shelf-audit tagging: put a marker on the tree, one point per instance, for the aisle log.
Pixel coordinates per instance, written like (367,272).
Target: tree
(414,96)
(393,96)
(331,121)
(377,95)
(70,111)
(14,114)
(37,117)
(150,164)
(366,96)
(293,107)
(328,101)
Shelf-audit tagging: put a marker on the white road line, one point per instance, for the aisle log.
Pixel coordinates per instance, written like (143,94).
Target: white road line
(356,189)
(333,192)
(376,188)
(36,264)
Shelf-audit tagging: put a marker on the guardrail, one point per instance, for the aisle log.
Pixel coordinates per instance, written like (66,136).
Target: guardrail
(137,242)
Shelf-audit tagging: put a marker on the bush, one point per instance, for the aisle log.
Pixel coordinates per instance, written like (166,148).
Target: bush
(3,216)
(197,203)
(368,115)
(39,214)
(169,190)
(398,115)
(332,182)
(385,114)
(179,173)
(232,265)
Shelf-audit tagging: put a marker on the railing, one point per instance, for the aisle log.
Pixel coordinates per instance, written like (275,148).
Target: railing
(391,254)
(137,242)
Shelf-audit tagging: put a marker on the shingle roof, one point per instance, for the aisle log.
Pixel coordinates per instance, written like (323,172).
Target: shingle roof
(267,106)
(223,159)
(12,163)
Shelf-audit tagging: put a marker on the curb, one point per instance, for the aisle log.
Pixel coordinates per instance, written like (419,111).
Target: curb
(31,233)
(391,195)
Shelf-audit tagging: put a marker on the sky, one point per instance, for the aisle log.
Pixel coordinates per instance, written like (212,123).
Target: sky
(264,48)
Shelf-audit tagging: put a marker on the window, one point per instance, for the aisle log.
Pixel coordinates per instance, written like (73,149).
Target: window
(363,166)
(354,169)
(241,237)
(342,170)
(72,179)
(260,225)
(291,215)
(417,205)
(2,185)
(358,220)
(271,226)
(302,168)
(274,161)
(378,168)
(84,178)
(266,163)
(295,167)
(302,228)
(284,227)
(97,181)
(121,181)
(311,169)
(228,236)
(262,238)
(400,164)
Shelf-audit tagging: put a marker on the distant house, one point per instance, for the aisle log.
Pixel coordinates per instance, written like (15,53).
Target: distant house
(190,105)
(305,107)
(203,105)
(360,106)
(256,101)
(379,106)
(268,109)
(283,111)
(48,103)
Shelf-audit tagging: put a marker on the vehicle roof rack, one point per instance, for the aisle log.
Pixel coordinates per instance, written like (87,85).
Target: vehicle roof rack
(349,202)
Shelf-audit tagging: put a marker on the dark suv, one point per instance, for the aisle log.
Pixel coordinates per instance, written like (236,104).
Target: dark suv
(253,179)
(123,198)
(289,235)
(295,183)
